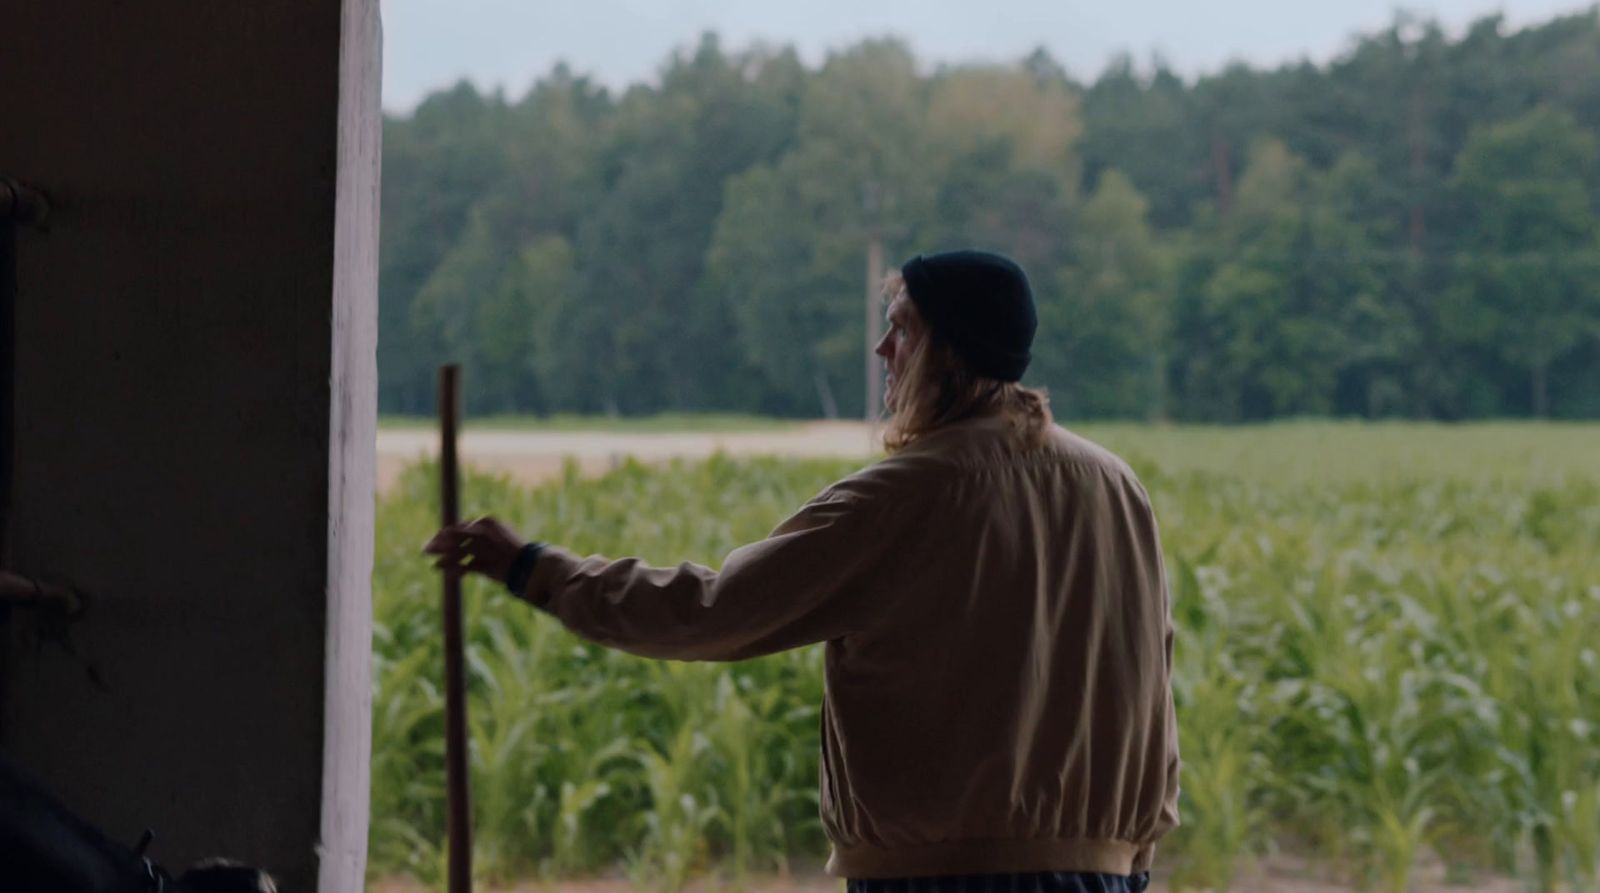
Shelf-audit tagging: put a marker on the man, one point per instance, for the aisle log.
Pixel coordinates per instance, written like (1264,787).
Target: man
(998,709)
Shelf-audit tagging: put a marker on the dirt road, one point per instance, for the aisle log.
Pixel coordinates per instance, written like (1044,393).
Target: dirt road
(535,456)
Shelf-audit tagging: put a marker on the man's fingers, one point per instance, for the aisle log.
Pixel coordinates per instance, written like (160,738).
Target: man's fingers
(490,526)
(447,538)
(439,545)
(480,535)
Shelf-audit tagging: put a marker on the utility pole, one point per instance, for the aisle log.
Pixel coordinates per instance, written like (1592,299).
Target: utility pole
(1417,228)
(874,366)
(874,326)
(1222,170)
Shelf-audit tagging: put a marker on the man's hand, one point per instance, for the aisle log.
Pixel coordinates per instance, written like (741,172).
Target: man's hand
(485,546)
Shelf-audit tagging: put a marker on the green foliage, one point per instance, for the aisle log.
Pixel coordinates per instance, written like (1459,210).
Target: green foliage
(1111,315)
(1527,294)
(1410,230)
(787,254)
(1386,650)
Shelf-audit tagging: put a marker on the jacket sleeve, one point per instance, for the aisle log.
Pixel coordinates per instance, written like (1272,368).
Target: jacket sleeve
(811,580)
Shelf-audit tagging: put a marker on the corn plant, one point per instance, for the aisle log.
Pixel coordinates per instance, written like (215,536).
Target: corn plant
(1386,653)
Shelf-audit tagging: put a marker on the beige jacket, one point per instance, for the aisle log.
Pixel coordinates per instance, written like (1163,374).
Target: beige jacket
(998,694)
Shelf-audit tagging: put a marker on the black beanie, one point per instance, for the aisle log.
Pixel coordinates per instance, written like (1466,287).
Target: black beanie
(980,303)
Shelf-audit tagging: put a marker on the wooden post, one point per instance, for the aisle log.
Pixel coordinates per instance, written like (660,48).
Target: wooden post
(458,814)
(872,216)
(874,327)
(1417,224)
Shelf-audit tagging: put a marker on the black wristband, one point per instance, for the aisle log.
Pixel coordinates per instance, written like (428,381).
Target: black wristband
(522,568)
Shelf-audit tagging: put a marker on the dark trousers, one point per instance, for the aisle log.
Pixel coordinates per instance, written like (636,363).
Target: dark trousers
(1029,882)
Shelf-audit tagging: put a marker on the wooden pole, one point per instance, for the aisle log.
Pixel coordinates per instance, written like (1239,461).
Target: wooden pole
(458,801)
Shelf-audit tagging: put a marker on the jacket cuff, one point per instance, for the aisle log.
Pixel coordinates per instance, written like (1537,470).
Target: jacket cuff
(550,572)
(522,567)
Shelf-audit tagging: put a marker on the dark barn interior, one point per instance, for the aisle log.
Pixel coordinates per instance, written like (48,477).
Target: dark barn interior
(189,410)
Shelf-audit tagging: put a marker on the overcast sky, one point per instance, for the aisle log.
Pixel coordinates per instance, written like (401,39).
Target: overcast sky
(430,44)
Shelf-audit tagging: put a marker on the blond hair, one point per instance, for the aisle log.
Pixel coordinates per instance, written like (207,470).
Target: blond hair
(936,388)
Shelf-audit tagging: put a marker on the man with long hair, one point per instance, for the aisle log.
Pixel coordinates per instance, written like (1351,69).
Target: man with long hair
(998,711)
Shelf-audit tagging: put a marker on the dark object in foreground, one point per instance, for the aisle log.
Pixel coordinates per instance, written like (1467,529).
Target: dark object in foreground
(46,849)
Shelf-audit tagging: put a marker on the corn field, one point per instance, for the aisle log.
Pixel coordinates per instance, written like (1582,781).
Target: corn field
(1386,652)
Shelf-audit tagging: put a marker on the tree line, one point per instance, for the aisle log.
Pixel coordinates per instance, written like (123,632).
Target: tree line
(1410,230)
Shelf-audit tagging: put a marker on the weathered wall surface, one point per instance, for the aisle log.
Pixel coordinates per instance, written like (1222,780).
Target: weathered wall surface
(193,417)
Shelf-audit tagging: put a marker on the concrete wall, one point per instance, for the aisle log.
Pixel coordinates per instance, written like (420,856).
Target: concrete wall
(195,403)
